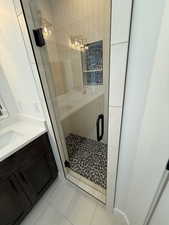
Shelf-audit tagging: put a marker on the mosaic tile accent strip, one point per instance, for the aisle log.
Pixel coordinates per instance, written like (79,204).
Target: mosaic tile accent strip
(88,158)
(92,63)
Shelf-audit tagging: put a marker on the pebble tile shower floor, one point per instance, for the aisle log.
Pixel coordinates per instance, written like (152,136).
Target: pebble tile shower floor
(88,158)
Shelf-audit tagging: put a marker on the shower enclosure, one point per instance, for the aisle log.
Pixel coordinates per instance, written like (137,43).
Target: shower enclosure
(73,41)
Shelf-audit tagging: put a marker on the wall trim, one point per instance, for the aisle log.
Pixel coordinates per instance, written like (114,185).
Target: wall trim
(124,215)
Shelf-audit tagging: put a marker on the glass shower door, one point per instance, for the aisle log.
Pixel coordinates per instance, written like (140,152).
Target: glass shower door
(73,40)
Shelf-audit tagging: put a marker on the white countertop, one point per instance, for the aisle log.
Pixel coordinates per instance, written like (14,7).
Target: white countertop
(18,134)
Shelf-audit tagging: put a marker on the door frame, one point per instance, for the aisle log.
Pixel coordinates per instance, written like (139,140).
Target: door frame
(111,195)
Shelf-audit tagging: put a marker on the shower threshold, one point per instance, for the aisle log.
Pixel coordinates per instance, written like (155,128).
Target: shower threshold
(86,185)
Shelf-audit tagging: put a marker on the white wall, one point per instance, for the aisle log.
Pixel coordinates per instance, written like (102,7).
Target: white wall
(161,213)
(120,26)
(15,63)
(144,143)
(6,96)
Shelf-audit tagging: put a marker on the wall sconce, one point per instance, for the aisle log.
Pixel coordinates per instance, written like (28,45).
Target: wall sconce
(46,32)
(45,24)
(47,28)
(78,43)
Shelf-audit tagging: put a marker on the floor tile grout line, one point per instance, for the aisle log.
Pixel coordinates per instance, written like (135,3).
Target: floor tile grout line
(59,212)
(81,192)
(70,203)
(64,216)
(93,215)
(48,204)
(41,213)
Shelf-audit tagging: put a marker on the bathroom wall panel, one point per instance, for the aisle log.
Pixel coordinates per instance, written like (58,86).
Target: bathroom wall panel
(117,73)
(17,5)
(26,38)
(120,26)
(121,13)
(145,32)
(113,149)
(7,96)
(15,64)
(150,153)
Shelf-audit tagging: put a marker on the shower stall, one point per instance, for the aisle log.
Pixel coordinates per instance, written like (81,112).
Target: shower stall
(73,38)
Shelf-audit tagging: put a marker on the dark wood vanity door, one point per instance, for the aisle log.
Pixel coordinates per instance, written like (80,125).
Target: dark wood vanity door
(36,177)
(13,203)
(24,177)
(39,169)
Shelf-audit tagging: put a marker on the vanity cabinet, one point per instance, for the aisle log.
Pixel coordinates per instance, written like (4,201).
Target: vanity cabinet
(13,203)
(37,168)
(24,177)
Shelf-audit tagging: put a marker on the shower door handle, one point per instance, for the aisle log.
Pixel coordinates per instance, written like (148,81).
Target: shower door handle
(100,121)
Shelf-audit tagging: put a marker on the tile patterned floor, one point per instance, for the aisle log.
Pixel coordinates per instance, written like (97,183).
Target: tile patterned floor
(88,158)
(65,204)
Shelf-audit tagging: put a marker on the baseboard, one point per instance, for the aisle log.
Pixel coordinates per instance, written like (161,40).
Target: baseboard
(117,210)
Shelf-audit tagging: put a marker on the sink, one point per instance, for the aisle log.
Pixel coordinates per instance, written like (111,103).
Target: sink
(9,138)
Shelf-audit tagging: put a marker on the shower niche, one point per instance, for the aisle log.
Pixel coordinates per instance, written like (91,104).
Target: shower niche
(92,63)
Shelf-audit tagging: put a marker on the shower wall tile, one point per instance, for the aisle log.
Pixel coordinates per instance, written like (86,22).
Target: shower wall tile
(121,13)
(18,7)
(113,150)
(117,73)
(114,129)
